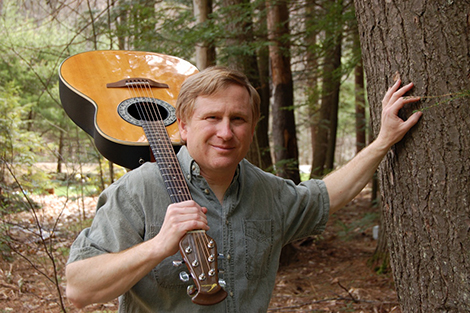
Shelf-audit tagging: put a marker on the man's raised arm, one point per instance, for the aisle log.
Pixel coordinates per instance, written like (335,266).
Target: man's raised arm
(346,182)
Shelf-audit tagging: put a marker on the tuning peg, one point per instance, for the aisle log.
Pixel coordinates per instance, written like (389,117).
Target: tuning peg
(178,263)
(222,283)
(184,276)
(191,290)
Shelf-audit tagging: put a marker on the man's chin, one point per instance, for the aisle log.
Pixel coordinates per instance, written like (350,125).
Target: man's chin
(223,163)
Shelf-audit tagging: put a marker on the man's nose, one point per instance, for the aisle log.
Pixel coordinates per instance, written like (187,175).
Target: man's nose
(225,129)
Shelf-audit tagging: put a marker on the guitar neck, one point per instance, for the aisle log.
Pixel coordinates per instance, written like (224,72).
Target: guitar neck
(167,161)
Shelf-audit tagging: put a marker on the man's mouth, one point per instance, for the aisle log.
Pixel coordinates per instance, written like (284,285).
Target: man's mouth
(223,148)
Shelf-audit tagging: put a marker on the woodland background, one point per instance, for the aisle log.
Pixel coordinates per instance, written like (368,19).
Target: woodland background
(304,57)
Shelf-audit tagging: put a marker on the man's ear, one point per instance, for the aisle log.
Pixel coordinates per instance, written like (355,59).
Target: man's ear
(183,129)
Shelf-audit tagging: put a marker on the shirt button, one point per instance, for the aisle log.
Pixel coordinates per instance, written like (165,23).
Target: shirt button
(193,167)
(228,257)
(226,222)
(189,176)
(206,191)
(231,293)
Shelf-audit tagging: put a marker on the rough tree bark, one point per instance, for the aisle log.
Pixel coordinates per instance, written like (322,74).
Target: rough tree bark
(425,181)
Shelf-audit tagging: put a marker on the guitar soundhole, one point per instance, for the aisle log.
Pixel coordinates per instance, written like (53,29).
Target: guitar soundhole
(136,110)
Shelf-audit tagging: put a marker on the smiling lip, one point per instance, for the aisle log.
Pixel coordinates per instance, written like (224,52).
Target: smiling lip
(224,148)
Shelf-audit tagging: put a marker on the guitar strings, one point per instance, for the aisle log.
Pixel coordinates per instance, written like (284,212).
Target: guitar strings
(170,167)
(151,117)
(203,241)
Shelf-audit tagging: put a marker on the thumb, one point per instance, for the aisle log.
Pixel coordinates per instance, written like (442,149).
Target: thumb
(413,119)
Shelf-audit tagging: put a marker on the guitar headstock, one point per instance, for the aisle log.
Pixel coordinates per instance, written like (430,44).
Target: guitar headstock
(199,252)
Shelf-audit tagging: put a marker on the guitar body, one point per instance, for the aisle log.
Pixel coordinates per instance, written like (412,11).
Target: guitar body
(108,113)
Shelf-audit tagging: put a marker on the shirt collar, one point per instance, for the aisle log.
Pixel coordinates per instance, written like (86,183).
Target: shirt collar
(187,163)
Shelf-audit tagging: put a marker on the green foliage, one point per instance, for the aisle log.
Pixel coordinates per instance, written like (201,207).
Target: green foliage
(19,145)
(139,25)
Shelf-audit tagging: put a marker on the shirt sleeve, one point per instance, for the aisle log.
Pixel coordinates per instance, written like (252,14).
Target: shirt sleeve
(121,219)
(117,225)
(306,208)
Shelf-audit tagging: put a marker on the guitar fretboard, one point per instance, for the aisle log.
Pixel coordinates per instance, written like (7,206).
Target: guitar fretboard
(167,161)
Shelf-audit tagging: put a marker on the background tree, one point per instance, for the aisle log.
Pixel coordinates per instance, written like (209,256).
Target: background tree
(425,178)
(205,50)
(325,137)
(286,153)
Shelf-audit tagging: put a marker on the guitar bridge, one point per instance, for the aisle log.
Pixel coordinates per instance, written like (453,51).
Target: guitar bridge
(136,82)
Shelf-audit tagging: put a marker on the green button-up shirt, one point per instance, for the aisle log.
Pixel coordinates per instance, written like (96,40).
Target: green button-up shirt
(259,215)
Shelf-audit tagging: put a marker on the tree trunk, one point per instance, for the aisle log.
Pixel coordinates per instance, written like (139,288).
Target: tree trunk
(121,22)
(325,141)
(359,100)
(424,180)
(312,71)
(111,172)
(360,105)
(205,52)
(286,152)
(261,141)
(333,83)
(60,152)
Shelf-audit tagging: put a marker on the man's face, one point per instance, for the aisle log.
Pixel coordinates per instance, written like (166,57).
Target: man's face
(219,133)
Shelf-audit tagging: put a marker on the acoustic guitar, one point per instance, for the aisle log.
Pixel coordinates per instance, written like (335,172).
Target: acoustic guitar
(125,101)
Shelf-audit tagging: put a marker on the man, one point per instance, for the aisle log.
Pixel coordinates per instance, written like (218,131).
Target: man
(129,249)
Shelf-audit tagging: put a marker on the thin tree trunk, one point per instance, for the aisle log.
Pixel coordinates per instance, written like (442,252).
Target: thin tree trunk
(361,124)
(359,99)
(311,17)
(262,130)
(332,99)
(60,152)
(286,152)
(325,140)
(205,52)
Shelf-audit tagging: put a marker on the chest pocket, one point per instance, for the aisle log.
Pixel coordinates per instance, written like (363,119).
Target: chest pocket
(259,246)
(165,273)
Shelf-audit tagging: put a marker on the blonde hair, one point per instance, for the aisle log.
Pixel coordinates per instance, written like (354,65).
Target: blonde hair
(209,82)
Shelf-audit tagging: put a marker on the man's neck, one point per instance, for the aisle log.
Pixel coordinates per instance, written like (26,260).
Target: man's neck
(219,183)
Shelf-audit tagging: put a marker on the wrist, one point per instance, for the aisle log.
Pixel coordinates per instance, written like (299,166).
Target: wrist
(380,146)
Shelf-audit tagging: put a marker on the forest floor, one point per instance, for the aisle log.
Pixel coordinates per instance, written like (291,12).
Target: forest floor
(330,273)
